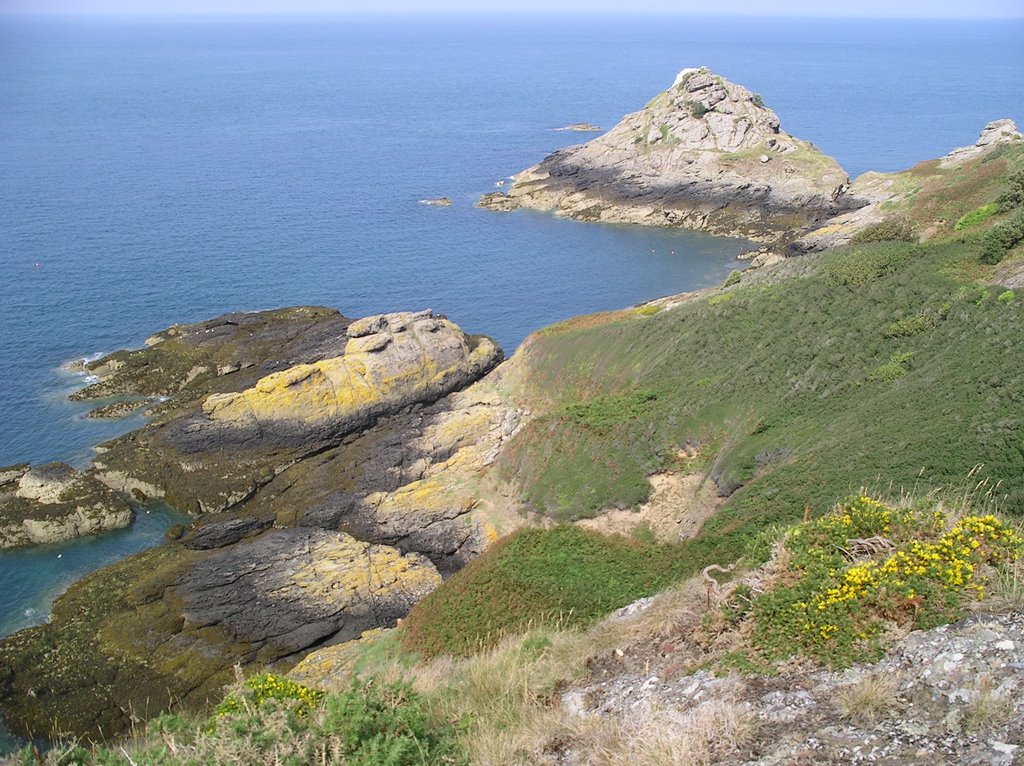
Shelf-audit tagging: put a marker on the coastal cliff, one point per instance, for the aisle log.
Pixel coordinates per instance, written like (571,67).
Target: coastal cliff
(705,154)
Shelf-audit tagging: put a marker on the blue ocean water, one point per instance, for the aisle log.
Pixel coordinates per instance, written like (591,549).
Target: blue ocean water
(166,170)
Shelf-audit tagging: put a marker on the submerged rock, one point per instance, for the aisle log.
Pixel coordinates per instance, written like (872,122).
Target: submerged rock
(704,154)
(54,502)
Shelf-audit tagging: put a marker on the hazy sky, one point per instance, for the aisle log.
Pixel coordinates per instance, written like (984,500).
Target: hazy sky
(870,8)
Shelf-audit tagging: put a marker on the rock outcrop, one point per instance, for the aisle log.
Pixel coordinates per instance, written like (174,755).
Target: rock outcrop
(704,154)
(227,353)
(54,502)
(881,198)
(167,626)
(389,362)
(340,481)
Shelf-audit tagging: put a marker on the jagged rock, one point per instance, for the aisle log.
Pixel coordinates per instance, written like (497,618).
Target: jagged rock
(54,502)
(389,362)
(690,158)
(437,202)
(581,127)
(996,133)
(499,202)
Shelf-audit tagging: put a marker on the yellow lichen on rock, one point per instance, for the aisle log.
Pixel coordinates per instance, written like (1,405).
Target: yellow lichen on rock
(332,667)
(390,361)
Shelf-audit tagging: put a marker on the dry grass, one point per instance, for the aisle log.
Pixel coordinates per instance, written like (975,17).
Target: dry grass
(987,709)
(868,700)
(717,731)
(509,693)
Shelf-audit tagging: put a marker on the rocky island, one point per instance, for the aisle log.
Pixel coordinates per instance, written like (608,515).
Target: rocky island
(709,155)
(705,154)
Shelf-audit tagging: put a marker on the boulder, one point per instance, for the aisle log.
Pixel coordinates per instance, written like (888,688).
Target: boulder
(389,362)
(54,502)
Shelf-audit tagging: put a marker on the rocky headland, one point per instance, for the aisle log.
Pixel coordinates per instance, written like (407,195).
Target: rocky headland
(338,470)
(333,468)
(705,154)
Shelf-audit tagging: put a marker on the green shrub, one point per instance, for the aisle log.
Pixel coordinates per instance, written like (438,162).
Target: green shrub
(889,230)
(1013,197)
(855,268)
(757,100)
(386,725)
(1001,238)
(561,575)
(976,216)
(648,310)
(733,278)
(905,328)
(696,109)
(1006,297)
(605,412)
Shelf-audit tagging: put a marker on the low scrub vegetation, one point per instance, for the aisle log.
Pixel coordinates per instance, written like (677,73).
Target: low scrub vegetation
(565,575)
(877,360)
(272,720)
(869,566)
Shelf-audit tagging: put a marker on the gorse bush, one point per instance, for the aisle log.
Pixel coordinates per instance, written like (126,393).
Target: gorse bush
(1001,238)
(889,230)
(262,688)
(273,720)
(869,565)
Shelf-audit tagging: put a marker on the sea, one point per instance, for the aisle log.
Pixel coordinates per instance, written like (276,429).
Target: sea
(161,170)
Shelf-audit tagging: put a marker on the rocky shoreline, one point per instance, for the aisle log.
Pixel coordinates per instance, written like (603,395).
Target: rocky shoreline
(331,467)
(707,154)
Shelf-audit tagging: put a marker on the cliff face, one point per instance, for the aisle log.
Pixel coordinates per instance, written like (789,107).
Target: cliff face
(704,154)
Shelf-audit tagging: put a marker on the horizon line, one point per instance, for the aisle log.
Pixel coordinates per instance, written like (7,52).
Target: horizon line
(260,13)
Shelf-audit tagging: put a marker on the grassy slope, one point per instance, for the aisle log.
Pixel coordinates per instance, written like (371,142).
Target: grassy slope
(889,365)
(791,389)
